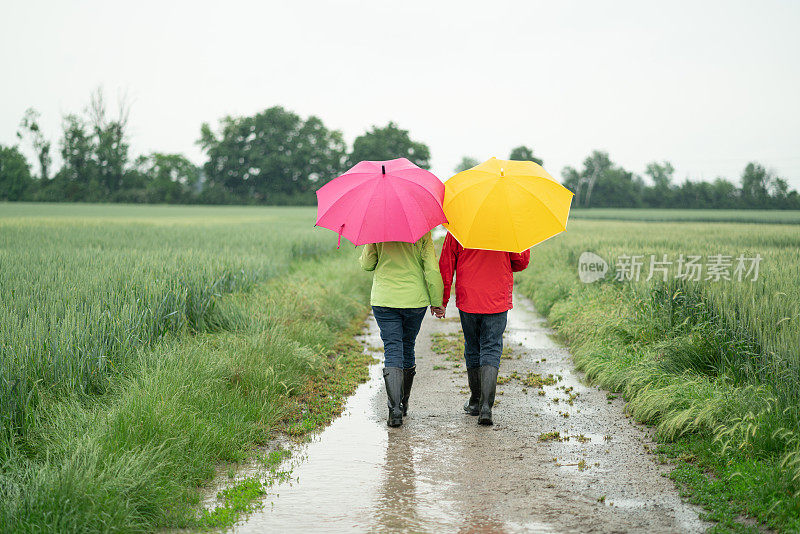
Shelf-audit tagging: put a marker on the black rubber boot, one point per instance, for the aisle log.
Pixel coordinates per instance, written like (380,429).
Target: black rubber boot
(393,377)
(488,378)
(474,379)
(408,381)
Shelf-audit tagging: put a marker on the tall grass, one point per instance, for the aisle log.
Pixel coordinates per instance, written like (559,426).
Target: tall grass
(766,312)
(154,348)
(715,359)
(82,288)
(132,459)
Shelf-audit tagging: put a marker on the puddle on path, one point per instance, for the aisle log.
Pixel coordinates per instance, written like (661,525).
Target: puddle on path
(354,478)
(440,472)
(360,476)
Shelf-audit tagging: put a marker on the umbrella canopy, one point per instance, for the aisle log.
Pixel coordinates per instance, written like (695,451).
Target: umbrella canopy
(505,205)
(378,201)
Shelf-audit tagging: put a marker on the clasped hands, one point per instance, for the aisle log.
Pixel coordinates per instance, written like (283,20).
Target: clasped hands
(438,311)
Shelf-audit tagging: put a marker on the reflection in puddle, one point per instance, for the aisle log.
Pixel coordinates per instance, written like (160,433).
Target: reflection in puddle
(360,476)
(525,327)
(357,475)
(440,472)
(337,483)
(397,500)
(410,501)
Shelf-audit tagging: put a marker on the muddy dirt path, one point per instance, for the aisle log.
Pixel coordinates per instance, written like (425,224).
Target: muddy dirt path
(441,472)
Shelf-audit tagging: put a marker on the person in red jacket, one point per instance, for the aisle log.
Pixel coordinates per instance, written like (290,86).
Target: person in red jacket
(484,284)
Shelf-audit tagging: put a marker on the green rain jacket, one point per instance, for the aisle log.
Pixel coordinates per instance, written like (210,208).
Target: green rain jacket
(406,274)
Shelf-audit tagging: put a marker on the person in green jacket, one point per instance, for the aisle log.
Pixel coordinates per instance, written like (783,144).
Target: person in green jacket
(406,281)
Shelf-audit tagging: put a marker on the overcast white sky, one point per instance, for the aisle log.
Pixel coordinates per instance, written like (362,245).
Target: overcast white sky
(708,86)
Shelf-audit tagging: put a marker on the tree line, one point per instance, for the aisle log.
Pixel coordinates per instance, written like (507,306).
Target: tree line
(277,157)
(272,157)
(601,183)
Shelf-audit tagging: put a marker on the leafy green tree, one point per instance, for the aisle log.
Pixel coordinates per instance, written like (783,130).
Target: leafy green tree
(660,173)
(273,156)
(755,184)
(29,127)
(602,184)
(661,193)
(779,188)
(781,196)
(169,178)
(111,147)
(694,195)
(582,182)
(389,142)
(572,179)
(616,188)
(705,195)
(78,178)
(763,189)
(724,193)
(94,150)
(466,163)
(523,153)
(15,174)
(792,201)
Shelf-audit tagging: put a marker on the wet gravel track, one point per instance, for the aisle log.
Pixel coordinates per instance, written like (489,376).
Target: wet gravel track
(441,472)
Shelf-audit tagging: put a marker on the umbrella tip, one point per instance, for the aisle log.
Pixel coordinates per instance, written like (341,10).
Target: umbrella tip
(383,169)
(501,172)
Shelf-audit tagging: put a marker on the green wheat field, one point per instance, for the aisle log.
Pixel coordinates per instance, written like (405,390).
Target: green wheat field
(713,364)
(142,346)
(124,329)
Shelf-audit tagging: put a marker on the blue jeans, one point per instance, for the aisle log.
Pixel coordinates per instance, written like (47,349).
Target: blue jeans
(399,329)
(483,338)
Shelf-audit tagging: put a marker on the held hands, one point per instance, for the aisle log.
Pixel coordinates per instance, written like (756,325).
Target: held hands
(438,311)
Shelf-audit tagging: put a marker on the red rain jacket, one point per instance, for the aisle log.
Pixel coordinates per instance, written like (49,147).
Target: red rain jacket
(484,278)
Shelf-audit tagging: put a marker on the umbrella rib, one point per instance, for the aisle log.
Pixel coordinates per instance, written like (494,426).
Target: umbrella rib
(536,198)
(482,206)
(490,176)
(402,208)
(361,227)
(348,188)
(482,182)
(428,191)
(550,181)
(419,208)
(548,211)
(429,224)
(508,210)
(351,192)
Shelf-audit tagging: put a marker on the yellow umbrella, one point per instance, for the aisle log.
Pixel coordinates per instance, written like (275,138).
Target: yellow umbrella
(505,205)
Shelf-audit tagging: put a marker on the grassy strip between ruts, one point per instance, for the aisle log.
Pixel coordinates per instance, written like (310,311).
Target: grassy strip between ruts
(668,369)
(134,460)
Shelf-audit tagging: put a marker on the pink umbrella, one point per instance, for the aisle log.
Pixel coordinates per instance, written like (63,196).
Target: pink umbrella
(378,201)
